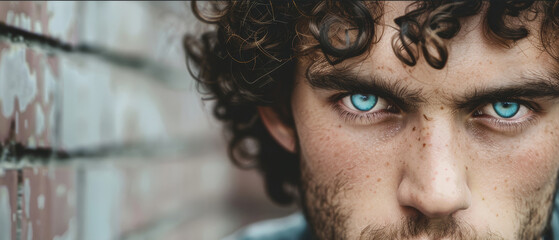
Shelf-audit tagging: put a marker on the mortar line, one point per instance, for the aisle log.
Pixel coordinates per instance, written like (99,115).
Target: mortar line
(170,77)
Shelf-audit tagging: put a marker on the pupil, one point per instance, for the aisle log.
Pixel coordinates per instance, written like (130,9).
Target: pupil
(506,109)
(363,102)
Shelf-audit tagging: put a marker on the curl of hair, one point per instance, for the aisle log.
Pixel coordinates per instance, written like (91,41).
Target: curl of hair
(249,59)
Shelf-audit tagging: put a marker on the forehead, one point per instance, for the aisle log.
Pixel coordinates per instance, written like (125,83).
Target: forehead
(474,60)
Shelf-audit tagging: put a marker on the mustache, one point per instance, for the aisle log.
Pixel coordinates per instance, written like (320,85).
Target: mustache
(422,226)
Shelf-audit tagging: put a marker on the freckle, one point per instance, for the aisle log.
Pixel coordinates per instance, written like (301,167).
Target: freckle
(419,139)
(442,108)
(410,145)
(413,129)
(387,164)
(466,168)
(379,179)
(424,145)
(426,118)
(506,180)
(368,176)
(495,188)
(340,126)
(497,215)
(375,192)
(482,199)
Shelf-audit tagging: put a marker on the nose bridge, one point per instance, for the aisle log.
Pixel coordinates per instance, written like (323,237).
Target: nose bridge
(434,182)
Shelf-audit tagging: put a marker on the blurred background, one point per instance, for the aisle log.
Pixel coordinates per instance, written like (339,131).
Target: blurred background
(103,134)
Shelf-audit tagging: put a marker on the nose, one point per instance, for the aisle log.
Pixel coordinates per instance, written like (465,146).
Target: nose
(434,180)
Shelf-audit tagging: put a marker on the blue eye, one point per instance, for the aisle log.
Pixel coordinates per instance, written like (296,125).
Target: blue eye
(506,109)
(364,102)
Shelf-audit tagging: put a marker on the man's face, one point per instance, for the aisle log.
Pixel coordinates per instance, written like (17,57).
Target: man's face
(391,151)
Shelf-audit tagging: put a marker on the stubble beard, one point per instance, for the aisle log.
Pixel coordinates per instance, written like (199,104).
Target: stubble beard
(327,217)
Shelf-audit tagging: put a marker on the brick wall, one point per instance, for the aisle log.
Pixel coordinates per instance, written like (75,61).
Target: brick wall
(102,134)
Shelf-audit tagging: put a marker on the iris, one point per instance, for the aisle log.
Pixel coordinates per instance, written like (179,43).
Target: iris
(364,102)
(506,109)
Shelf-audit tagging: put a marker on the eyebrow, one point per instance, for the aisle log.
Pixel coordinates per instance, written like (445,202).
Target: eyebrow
(531,87)
(534,86)
(344,80)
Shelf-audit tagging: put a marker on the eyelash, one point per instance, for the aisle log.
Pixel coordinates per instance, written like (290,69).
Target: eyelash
(510,125)
(500,124)
(361,118)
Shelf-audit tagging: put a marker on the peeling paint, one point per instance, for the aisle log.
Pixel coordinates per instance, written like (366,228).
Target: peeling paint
(27,194)
(63,100)
(70,234)
(60,190)
(38,28)
(30,231)
(49,85)
(51,123)
(10,16)
(39,120)
(17,123)
(5,213)
(24,22)
(62,17)
(16,80)
(101,217)
(31,142)
(87,96)
(41,202)
(18,20)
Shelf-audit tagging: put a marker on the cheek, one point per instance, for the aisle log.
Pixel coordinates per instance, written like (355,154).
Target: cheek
(333,152)
(330,150)
(522,166)
(536,162)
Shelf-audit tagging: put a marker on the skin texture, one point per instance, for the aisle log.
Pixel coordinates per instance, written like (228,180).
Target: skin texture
(433,171)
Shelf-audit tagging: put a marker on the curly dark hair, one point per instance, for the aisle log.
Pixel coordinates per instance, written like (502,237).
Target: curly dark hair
(248,59)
